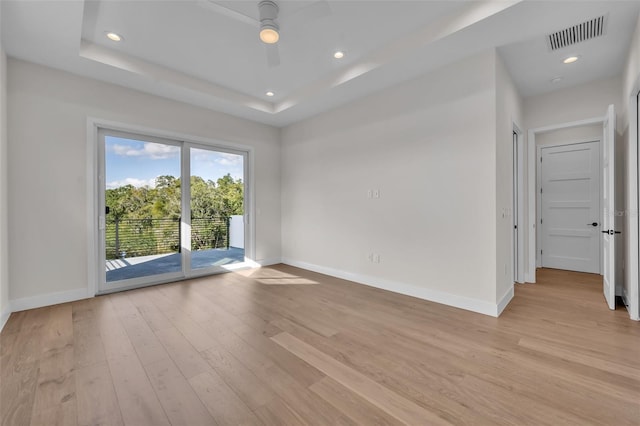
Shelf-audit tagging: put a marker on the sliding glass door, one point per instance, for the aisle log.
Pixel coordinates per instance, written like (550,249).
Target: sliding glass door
(217,208)
(171,210)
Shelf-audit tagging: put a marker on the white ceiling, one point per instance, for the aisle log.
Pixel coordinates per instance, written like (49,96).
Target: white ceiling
(200,53)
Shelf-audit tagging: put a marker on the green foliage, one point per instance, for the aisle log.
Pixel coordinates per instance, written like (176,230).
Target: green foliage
(148,218)
(224,198)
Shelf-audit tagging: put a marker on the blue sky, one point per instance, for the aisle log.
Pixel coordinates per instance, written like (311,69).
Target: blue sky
(139,163)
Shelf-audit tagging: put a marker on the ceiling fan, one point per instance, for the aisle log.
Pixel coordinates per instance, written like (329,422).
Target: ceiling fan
(268,24)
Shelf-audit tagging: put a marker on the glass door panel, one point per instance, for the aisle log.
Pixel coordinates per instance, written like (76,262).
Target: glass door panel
(142,205)
(217,208)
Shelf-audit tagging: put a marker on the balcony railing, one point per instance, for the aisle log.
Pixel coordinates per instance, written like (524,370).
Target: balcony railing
(143,237)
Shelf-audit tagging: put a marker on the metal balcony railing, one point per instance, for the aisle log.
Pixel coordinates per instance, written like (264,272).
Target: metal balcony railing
(144,237)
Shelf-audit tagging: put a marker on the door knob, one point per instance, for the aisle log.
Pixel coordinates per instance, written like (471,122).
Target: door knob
(592,224)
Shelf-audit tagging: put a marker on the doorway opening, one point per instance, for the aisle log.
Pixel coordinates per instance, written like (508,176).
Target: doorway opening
(168,209)
(609,224)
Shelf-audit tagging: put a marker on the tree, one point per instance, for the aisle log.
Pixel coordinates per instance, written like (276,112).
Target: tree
(212,203)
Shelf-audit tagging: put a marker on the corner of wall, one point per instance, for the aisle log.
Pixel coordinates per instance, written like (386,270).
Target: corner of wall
(4,315)
(628,116)
(5,308)
(508,111)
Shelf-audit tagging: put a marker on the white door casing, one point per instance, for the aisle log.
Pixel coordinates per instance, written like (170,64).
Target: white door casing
(609,211)
(570,207)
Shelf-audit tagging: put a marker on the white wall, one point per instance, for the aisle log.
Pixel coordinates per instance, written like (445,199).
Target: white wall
(629,131)
(429,146)
(508,113)
(573,104)
(47,119)
(571,135)
(4,261)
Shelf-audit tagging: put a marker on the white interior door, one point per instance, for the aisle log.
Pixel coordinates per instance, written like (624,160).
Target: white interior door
(609,216)
(570,200)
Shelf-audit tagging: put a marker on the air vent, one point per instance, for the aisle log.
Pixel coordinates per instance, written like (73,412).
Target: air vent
(578,33)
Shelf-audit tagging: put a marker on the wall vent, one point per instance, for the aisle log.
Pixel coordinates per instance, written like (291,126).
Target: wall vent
(578,33)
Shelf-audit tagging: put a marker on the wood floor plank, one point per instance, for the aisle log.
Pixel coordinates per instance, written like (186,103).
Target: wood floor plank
(114,338)
(278,413)
(191,330)
(97,403)
(137,399)
(250,388)
(304,373)
(557,350)
(144,340)
(17,395)
(177,397)
(64,414)
(352,405)
(189,361)
(56,379)
(394,405)
(87,342)
(221,401)
(27,349)
(149,311)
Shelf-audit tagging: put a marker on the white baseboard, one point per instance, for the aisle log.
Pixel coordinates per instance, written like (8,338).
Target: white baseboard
(504,301)
(269,262)
(4,316)
(530,278)
(469,304)
(48,299)
(627,305)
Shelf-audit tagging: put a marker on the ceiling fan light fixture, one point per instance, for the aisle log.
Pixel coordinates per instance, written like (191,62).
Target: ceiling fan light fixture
(270,93)
(339,54)
(269,34)
(269,30)
(571,59)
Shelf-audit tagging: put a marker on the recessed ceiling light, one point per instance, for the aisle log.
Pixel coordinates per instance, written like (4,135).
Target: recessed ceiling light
(114,37)
(570,59)
(270,93)
(338,54)
(555,80)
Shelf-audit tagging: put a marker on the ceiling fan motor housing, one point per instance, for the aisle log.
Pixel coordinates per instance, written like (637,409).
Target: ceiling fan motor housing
(268,14)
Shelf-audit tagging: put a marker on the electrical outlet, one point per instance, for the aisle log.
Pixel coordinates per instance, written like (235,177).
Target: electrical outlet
(376,193)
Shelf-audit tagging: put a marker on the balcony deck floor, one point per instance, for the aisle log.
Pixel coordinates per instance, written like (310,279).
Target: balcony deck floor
(143,266)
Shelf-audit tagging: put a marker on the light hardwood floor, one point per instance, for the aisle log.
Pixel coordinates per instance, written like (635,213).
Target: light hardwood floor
(284,346)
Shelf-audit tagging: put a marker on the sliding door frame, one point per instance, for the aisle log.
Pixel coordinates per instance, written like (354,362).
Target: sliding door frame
(95,185)
(186,205)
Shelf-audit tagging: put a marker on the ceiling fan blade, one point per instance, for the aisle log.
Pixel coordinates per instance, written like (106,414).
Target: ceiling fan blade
(316,10)
(230,13)
(273,55)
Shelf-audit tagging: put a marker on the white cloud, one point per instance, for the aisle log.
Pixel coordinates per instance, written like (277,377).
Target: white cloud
(229,159)
(222,158)
(138,183)
(154,151)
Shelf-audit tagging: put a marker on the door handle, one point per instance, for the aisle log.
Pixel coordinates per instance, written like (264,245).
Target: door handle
(592,224)
(611,232)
